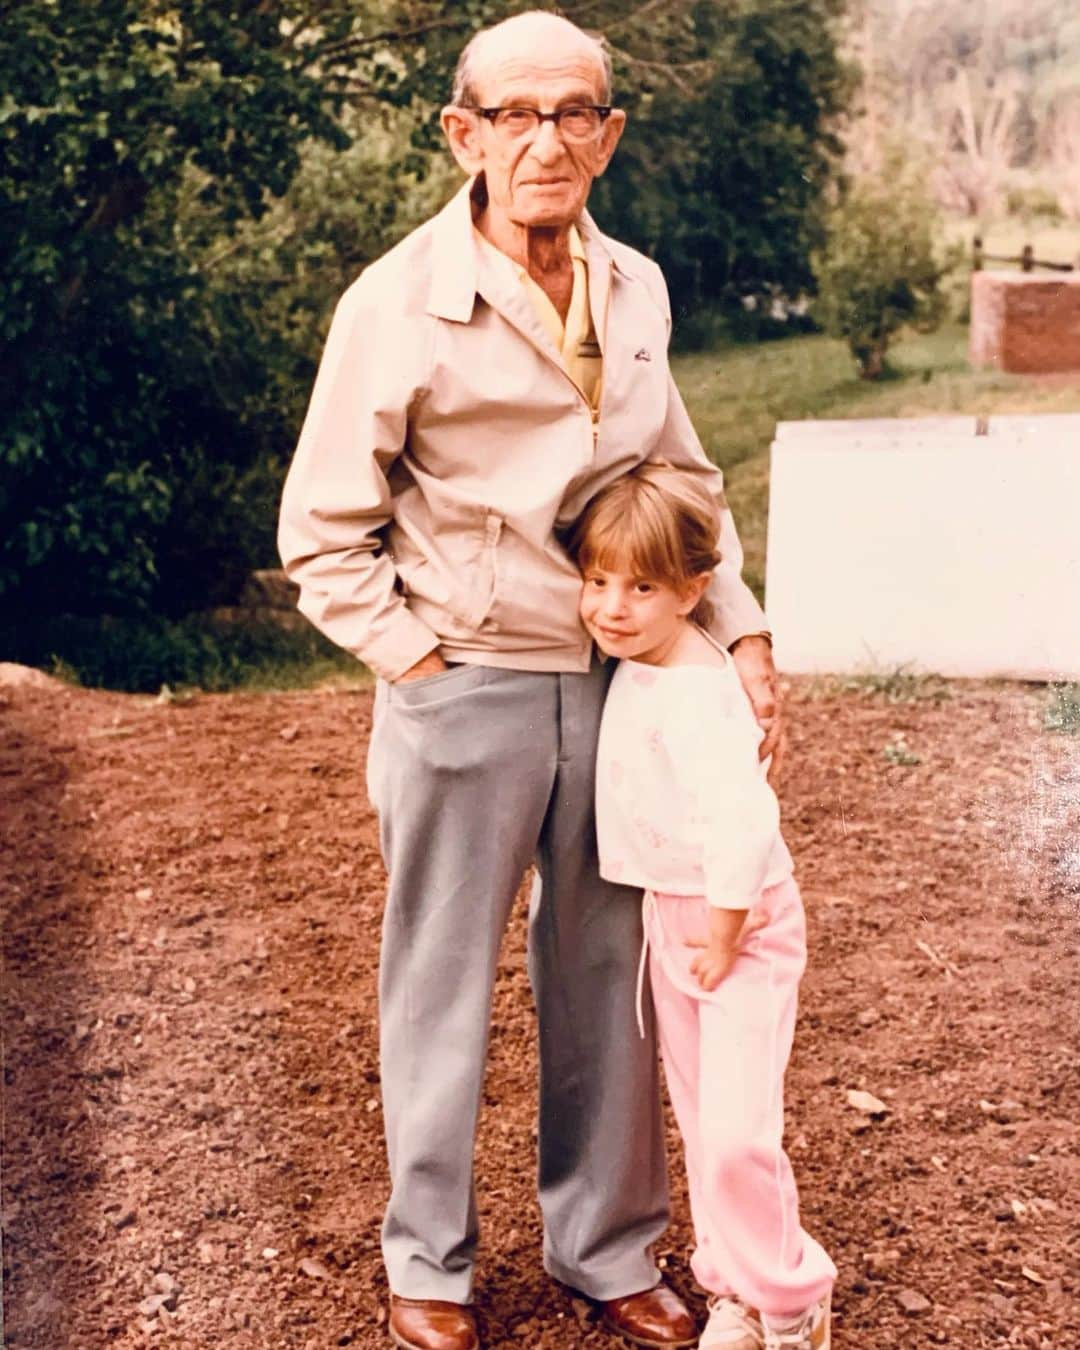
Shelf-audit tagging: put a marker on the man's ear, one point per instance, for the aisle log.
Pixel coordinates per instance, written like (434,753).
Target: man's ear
(613,129)
(462,130)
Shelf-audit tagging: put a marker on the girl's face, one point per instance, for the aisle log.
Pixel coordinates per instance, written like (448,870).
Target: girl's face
(632,617)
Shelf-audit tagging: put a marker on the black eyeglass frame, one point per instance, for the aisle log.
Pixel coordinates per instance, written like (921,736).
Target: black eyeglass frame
(603,111)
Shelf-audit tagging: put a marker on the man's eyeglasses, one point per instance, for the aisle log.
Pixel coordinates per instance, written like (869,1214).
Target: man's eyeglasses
(574,124)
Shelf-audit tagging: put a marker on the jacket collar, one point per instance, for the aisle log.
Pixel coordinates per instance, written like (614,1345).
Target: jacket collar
(459,270)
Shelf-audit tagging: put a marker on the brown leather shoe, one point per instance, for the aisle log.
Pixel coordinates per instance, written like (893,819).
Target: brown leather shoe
(431,1324)
(656,1318)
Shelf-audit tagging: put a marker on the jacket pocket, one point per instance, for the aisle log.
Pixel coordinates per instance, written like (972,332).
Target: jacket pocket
(474,583)
(445,564)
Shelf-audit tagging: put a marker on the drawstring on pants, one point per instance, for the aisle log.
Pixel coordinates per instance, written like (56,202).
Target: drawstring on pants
(648,909)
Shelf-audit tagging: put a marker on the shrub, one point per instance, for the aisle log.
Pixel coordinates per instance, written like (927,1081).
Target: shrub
(140,655)
(879,269)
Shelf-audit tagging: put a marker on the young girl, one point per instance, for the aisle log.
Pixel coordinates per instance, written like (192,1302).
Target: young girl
(684,811)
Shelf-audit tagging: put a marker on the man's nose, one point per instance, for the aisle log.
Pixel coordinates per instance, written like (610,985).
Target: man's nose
(547,145)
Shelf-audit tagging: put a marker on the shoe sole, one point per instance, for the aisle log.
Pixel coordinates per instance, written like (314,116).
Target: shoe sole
(631,1339)
(403,1344)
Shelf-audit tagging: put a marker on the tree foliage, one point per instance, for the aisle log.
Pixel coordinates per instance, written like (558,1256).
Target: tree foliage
(984,85)
(143,390)
(732,139)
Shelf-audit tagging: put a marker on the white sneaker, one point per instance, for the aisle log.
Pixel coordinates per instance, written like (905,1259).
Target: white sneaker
(812,1331)
(731,1326)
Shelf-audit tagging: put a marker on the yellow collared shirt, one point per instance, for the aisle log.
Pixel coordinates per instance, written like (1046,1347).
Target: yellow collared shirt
(576,340)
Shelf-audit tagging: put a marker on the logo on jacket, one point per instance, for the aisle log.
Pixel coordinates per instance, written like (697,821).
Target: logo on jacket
(642,354)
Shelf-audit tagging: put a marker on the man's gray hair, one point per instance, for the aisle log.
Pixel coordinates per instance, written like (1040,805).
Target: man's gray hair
(464,93)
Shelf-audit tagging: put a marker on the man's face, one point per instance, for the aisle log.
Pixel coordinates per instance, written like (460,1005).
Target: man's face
(540,179)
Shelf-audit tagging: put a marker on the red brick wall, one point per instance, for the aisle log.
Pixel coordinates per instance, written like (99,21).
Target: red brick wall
(1028,323)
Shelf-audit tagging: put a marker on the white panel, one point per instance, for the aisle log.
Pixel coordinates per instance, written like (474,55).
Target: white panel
(916,542)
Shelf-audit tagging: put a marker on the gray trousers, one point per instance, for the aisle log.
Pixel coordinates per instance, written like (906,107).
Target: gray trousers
(475,773)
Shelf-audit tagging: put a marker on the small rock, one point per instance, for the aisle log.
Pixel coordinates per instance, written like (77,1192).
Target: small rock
(290,732)
(163,1283)
(269,1253)
(315,1269)
(866,1102)
(868,1017)
(150,1305)
(144,893)
(1001,1305)
(1007,1112)
(912,1303)
(124,1219)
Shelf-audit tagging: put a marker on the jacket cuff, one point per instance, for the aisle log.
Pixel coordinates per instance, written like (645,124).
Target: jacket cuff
(736,617)
(403,641)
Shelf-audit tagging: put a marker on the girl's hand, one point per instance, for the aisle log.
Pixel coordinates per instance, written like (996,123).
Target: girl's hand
(712,963)
(728,929)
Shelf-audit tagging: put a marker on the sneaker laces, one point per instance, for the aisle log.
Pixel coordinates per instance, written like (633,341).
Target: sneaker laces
(742,1322)
(787,1340)
(792,1338)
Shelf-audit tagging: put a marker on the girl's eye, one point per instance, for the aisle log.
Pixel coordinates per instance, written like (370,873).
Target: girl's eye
(644,587)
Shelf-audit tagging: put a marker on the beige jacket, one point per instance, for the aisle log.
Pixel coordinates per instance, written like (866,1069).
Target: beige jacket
(446,448)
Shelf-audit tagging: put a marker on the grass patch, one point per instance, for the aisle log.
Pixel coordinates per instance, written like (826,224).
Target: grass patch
(143,655)
(1062,712)
(901,684)
(899,754)
(737,394)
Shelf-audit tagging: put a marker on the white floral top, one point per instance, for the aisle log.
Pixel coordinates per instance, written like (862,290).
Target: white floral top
(682,804)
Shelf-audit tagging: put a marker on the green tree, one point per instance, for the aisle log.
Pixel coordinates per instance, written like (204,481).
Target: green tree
(731,143)
(879,270)
(142,389)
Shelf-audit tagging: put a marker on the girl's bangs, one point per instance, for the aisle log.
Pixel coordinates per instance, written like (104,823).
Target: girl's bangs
(627,537)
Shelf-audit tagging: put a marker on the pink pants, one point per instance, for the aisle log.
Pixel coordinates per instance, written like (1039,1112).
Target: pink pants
(724,1055)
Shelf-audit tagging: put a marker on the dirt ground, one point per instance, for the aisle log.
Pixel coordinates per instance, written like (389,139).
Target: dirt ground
(193,1145)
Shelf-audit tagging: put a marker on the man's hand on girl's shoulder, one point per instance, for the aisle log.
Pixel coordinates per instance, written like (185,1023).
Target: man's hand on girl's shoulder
(754,661)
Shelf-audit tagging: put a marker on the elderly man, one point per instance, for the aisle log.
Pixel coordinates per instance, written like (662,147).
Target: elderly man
(480,383)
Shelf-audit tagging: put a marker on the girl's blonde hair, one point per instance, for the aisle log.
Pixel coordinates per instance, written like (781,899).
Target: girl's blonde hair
(656,522)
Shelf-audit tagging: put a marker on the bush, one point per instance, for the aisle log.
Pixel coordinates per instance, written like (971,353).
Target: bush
(879,269)
(139,656)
